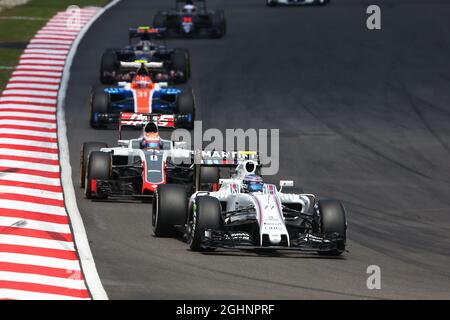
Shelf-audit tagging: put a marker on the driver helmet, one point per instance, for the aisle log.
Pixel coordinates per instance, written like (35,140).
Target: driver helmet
(189,8)
(151,140)
(146,46)
(252,183)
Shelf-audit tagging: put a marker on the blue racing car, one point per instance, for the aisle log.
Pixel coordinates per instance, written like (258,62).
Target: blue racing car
(167,107)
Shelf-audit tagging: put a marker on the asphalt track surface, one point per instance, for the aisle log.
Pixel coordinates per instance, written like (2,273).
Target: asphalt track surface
(363,117)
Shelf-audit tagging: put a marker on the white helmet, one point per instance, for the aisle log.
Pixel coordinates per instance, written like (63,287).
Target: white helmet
(189,8)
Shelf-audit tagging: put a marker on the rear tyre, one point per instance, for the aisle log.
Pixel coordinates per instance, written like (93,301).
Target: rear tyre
(185,105)
(333,219)
(169,208)
(218,24)
(181,62)
(209,177)
(99,167)
(86,149)
(207,215)
(109,64)
(100,102)
(271,3)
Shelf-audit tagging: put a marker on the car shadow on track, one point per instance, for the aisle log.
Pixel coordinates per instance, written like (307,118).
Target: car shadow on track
(267,253)
(272,254)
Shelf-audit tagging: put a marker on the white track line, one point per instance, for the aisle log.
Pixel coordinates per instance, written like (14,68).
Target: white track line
(35,79)
(27,178)
(43,125)
(30,206)
(29,295)
(28,165)
(36,260)
(35,225)
(31,192)
(46,51)
(40,279)
(27,132)
(26,99)
(30,92)
(27,115)
(36,72)
(39,67)
(41,61)
(25,85)
(27,107)
(31,143)
(49,41)
(27,153)
(79,232)
(37,242)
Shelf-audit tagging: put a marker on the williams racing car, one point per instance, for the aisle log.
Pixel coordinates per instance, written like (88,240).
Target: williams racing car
(273,3)
(190,18)
(245,213)
(169,65)
(169,107)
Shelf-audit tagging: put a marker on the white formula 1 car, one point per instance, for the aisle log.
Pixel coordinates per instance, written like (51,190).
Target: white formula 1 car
(241,215)
(273,3)
(135,167)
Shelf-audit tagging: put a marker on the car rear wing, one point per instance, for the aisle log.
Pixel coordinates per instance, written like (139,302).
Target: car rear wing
(139,120)
(180,3)
(151,66)
(145,32)
(225,158)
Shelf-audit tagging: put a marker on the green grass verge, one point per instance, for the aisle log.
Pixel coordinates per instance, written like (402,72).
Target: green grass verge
(23,30)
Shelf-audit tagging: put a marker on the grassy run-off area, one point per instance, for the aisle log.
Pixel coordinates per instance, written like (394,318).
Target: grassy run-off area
(16,30)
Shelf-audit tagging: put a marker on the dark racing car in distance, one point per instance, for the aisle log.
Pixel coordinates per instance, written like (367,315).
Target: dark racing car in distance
(190,18)
(117,64)
(168,106)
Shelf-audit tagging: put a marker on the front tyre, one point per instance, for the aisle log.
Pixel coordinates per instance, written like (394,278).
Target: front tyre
(99,167)
(109,66)
(181,61)
(206,214)
(209,178)
(185,106)
(86,149)
(169,209)
(100,103)
(333,220)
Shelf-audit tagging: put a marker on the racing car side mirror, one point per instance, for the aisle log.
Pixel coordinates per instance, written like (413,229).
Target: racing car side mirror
(123,143)
(286,183)
(250,167)
(180,144)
